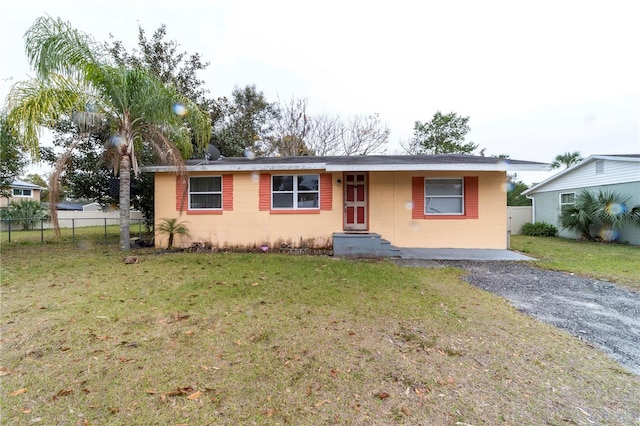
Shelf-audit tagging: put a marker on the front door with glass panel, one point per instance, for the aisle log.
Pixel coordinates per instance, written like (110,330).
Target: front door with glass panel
(355,202)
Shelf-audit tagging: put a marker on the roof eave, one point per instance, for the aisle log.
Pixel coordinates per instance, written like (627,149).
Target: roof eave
(353,167)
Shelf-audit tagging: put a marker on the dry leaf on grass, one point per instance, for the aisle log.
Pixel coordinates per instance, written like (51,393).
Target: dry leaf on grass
(382,395)
(18,392)
(180,317)
(61,392)
(195,395)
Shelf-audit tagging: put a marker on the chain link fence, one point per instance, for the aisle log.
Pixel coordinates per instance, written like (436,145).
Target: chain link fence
(105,229)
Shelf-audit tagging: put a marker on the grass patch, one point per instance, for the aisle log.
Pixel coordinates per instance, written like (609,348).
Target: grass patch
(82,234)
(609,262)
(271,339)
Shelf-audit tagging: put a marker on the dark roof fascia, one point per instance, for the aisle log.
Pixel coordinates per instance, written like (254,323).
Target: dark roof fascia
(359,163)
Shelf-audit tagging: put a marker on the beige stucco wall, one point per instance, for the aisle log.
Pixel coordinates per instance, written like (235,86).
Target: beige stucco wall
(246,225)
(389,215)
(35,196)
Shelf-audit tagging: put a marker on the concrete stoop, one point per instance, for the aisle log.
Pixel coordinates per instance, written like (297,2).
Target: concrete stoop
(346,244)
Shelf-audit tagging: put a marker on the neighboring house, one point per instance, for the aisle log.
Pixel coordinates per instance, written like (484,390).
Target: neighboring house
(430,201)
(21,190)
(619,173)
(92,207)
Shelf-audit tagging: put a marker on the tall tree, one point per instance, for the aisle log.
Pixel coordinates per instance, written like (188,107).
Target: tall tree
(515,188)
(12,160)
(243,122)
(365,134)
(291,130)
(88,172)
(162,58)
(75,79)
(567,159)
(443,134)
(297,132)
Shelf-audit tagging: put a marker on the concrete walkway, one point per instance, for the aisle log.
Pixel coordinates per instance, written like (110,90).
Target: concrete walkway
(460,254)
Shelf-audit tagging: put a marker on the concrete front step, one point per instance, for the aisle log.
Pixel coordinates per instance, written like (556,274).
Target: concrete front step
(362,245)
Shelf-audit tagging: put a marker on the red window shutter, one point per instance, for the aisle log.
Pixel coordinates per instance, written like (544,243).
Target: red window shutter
(264,192)
(471,197)
(417,197)
(227,192)
(326,191)
(181,193)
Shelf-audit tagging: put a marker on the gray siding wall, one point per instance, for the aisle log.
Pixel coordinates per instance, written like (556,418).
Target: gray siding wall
(547,208)
(609,172)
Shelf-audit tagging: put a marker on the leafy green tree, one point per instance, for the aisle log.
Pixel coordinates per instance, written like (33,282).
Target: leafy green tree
(76,80)
(162,59)
(567,160)
(172,228)
(88,171)
(243,122)
(26,213)
(443,134)
(12,160)
(606,210)
(514,194)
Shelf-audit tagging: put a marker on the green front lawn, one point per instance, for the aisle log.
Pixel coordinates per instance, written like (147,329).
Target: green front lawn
(202,339)
(609,262)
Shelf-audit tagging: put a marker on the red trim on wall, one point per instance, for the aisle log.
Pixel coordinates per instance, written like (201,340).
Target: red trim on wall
(471,200)
(264,192)
(227,192)
(181,194)
(326,191)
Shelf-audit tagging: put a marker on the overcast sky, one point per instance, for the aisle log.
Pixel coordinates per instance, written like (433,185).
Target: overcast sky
(536,78)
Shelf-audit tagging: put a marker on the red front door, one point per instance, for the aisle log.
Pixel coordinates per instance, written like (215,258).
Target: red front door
(355,202)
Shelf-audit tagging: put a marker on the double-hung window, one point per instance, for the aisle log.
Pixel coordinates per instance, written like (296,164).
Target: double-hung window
(297,192)
(21,192)
(567,199)
(444,196)
(205,193)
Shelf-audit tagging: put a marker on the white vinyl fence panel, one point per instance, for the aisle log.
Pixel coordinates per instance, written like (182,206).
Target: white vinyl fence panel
(518,216)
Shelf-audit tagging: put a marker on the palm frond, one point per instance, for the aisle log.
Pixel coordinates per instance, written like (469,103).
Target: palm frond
(54,47)
(36,103)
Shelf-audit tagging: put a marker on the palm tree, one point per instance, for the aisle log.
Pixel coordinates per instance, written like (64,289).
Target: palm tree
(26,212)
(171,228)
(76,80)
(567,159)
(608,210)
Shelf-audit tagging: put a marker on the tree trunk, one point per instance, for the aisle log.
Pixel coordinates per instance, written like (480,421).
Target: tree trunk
(125,202)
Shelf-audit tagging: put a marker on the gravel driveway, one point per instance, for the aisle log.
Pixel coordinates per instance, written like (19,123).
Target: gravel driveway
(597,312)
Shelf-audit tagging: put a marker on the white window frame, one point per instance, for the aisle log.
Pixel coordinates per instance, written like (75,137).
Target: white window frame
(460,196)
(567,204)
(295,192)
(22,194)
(206,193)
